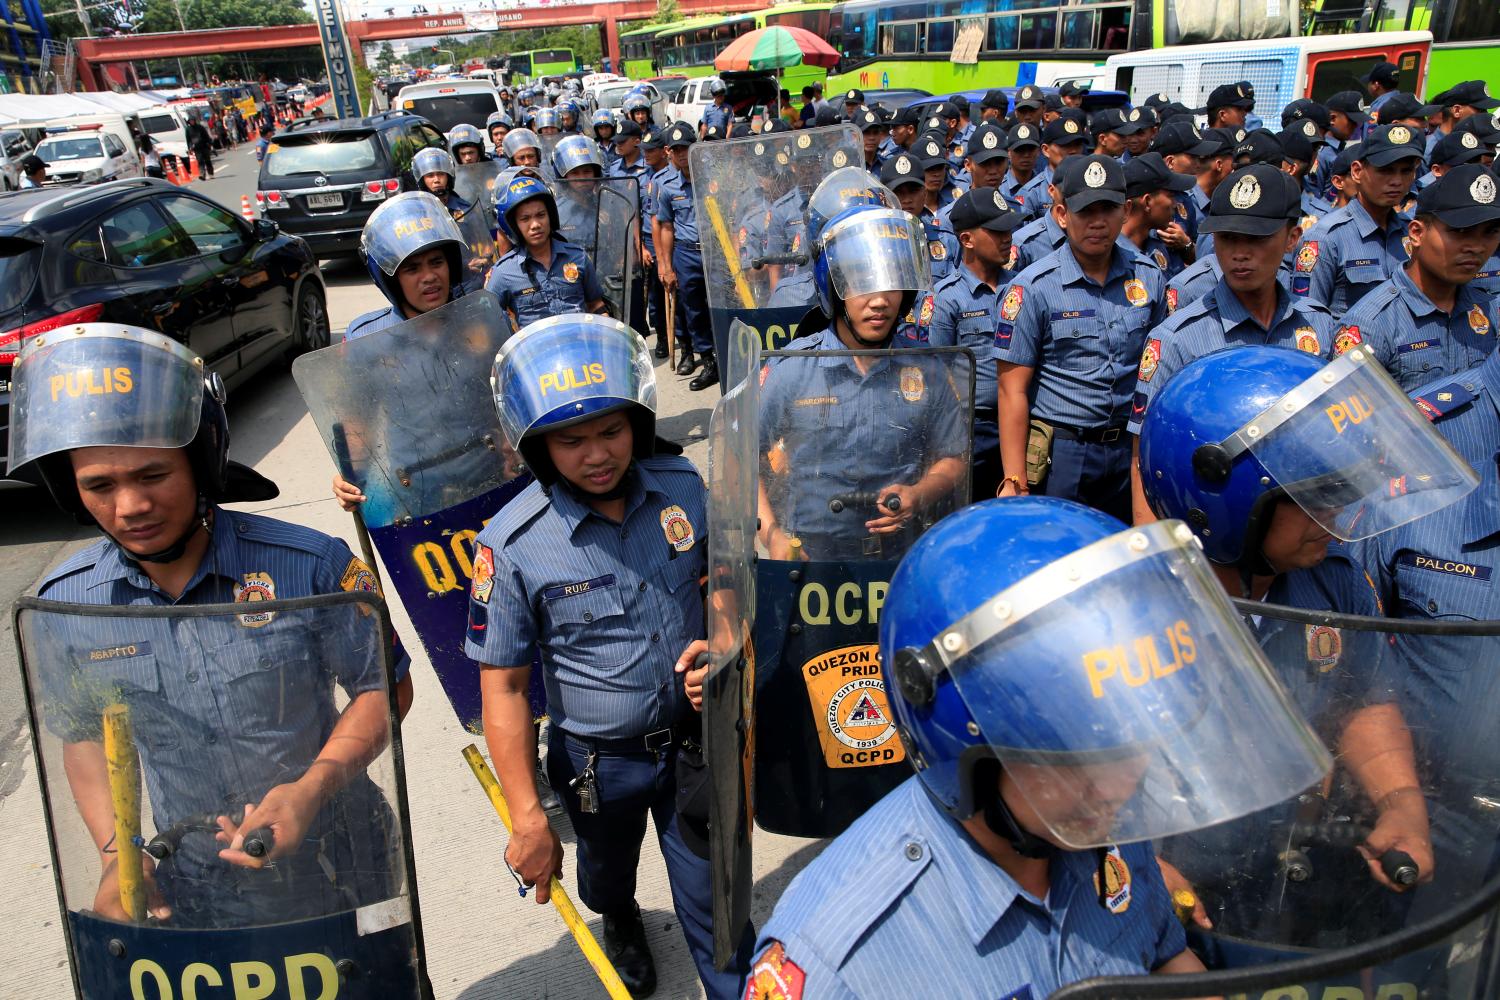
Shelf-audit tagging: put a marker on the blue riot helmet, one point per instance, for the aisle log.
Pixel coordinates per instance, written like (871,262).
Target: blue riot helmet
(576,151)
(604,118)
(433,160)
(564,370)
(499,118)
(1095,680)
(844,188)
(520,139)
(1236,430)
(465,135)
(110,385)
(567,113)
(716,88)
(866,250)
(634,102)
(546,118)
(406,224)
(515,194)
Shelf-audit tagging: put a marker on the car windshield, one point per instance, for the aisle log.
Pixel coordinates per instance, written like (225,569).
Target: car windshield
(62,150)
(613,97)
(669,88)
(18,266)
(448,110)
(159,123)
(322,153)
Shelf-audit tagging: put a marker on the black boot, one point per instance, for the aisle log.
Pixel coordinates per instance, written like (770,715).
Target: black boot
(708,376)
(687,365)
(661,346)
(626,947)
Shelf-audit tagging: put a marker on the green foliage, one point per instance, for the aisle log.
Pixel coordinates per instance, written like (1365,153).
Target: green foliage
(667,12)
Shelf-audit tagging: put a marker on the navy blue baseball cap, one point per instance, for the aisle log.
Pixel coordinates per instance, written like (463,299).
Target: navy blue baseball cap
(901,169)
(1232,95)
(1399,106)
(987,143)
(1389,143)
(1088,180)
(1024,135)
(1352,104)
(1464,196)
(983,208)
(1137,120)
(1303,109)
(1458,147)
(930,151)
(1030,97)
(1182,136)
(1149,172)
(1256,200)
(1300,140)
(1063,132)
(1470,93)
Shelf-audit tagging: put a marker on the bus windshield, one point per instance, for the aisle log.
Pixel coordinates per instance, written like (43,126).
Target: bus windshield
(449,110)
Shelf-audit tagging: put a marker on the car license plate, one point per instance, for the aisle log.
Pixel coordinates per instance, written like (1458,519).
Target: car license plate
(325,199)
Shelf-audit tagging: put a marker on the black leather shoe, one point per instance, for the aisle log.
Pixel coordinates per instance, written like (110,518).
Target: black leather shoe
(687,365)
(626,947)
(708,376)
(661,347)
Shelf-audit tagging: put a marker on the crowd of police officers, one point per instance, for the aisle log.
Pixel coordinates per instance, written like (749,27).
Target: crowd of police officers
(1279,343)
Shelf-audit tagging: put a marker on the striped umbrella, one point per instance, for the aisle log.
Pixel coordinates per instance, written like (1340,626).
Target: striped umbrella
(776,48)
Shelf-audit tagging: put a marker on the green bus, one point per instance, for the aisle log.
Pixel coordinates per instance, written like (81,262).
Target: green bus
(1465,33)
(638,52)
(689,47)
(537,63)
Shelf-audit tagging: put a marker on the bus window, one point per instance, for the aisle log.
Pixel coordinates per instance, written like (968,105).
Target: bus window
(1078,29)
(1039,31)
(859,32)
(1004,34)
(1190,22)
(900,39)
(1474,20)
(940,36)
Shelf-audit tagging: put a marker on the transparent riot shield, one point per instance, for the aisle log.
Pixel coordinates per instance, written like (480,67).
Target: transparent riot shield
(179,744)
(729,691)
(549,143)
(475,184)
(1297,910)
(601,216)
(479,238)
(859,453)
(749,195)
(408,416)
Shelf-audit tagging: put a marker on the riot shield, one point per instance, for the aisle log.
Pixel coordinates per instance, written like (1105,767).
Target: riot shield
(859,453)
(407,415)
(601,217)
(1296,909)
(749,195)
(480,241)
(227,870)
(475,184)
(729,691)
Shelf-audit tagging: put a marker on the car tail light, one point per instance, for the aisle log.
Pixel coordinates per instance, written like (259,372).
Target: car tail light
(270,199)
(392,185)
(377,190)
(11,340)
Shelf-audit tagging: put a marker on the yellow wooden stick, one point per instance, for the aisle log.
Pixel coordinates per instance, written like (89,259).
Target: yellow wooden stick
(124,770)
(731,255)
(581,933)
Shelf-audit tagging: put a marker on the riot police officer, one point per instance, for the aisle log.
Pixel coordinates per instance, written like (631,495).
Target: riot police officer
(902,173)
(543,274)
(1355,248)
(680,259)
(719,112)
(1427,320)
(576,161)
(523,148)
(598,565)
(1071,330)
(414,252)
(903,425)
(605,129)
(1030,746)
(498,126)
(147,461)
(466,143)
(435,172)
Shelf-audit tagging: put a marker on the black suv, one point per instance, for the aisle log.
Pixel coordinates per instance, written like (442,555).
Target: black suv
(142,252)
(321,179)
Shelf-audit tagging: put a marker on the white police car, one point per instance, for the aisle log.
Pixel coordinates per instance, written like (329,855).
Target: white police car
(86,154)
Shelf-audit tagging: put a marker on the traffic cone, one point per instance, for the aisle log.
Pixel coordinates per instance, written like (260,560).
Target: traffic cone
(192,168)
(171,170)
(246,209)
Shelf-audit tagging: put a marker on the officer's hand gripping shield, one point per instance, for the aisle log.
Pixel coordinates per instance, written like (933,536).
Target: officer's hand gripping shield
(601,217)
(729,691)
(475,184)
(1295,906)
(859,453)
(152,384)
(749,198)
(181,740)
(1353,452)
(407,416)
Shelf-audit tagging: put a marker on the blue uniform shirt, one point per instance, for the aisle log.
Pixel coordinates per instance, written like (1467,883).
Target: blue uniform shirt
(1194,281)
(1346,255)
(609,606)
(1415,340)
(717,114)
(1033,196)
(533,292)
(1167,259)
(787,232)
(373,322)
(943,249)
(963,312)
(1214,322)
(1011,188)
(674,204)
(843,431)
(1035,240)
(1488,278)
(1083,339)
(937,917)
(267,703)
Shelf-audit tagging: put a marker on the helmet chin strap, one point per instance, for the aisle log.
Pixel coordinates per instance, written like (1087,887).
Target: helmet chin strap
(175,551)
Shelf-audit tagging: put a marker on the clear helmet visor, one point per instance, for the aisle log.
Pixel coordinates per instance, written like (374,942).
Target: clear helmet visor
(433,161)
(97,384)
(841,189)
(518,139)
(403,225)
(567,369)
(1161,714)
(1351,450)
(880,250)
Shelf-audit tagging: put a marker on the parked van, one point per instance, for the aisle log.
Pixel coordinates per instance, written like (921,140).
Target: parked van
(1281,69)
(121,126)
(166,128)
(87,154)
(446,103)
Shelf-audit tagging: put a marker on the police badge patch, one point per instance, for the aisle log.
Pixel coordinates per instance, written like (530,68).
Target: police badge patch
(357,576)
(257,587)
(1010,308)
(484,574)
(937,251)
(913,385)
(1115,892)
(1150,359)
(570,273)
(840,158)
(1135,292)
(1307,256)
(775,977)
(1171,300)
(1478,321)
(1324,646)
(1160,258)
(925,317)
(1307,340)
(677,528)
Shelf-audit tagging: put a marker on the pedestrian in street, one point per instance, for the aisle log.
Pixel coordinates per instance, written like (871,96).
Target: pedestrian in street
(201,146)
(597,565)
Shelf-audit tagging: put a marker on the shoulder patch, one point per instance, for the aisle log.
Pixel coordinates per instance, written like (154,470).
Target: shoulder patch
(1347,337)
(1307,256)
(1150,359)
(1171,300)
(1442,401)
(1010,307)
(358,576)
(773,976)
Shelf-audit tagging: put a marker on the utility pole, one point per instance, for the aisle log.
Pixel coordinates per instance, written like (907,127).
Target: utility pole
(83,15)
